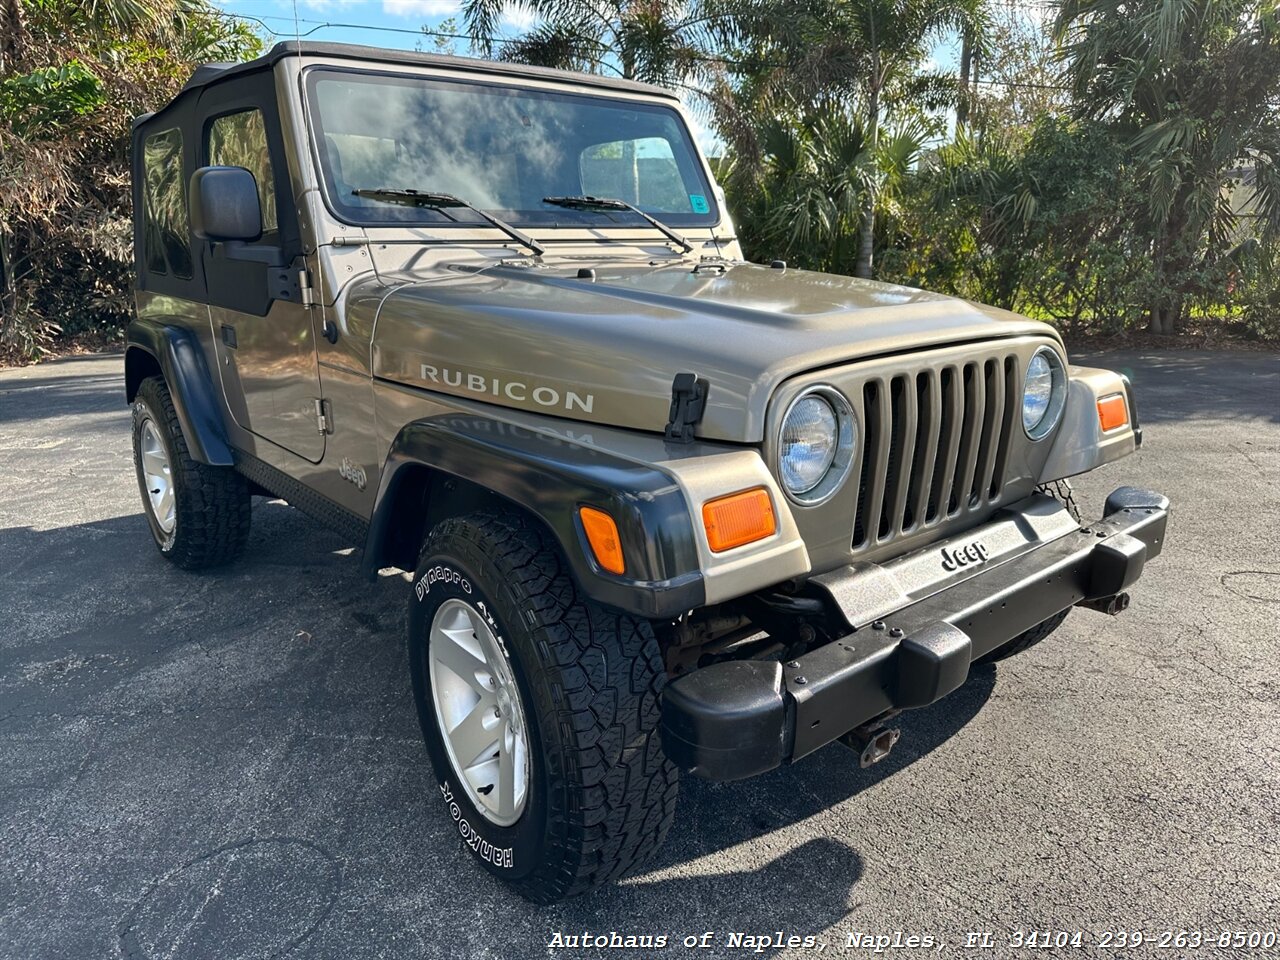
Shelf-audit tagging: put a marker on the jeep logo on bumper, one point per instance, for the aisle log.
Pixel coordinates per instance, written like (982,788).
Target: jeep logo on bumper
(957,557)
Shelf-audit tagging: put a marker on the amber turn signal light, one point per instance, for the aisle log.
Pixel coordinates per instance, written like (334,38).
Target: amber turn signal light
(602,534)
(1112,412)
(738,518)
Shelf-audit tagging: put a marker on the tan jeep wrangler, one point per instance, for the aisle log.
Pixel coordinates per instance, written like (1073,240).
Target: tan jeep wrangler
(666,510)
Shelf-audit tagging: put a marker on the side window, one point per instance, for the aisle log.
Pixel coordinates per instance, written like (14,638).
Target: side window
(240,140)
(167,233)
(641,172)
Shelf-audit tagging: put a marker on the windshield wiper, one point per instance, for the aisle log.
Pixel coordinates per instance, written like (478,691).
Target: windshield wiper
(608,203)
(445,201)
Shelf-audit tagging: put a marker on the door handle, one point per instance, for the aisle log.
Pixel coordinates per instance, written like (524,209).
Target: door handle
(229,335)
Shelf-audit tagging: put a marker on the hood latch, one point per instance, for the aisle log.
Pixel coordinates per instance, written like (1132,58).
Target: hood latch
(688,400)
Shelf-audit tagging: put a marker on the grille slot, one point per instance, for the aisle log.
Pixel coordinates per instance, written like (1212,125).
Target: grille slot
(935,443)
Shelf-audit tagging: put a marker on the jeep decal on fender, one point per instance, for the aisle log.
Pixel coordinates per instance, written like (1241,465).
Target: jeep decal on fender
(352,473)
(516,390)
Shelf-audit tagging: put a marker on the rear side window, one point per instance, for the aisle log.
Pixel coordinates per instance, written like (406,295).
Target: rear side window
(167,232)
(240,140)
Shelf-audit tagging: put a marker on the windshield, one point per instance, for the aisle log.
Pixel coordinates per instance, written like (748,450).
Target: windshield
(501,149)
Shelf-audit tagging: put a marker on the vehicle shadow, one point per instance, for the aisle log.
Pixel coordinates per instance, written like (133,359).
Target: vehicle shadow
(290,646)
(290,556)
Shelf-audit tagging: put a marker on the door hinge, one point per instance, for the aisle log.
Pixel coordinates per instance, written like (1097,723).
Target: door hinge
(324,416)
(305,293)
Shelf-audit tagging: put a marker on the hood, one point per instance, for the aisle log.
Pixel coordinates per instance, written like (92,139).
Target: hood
(536,337)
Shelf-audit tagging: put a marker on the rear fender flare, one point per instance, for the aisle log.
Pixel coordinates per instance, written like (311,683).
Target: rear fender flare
(176,353)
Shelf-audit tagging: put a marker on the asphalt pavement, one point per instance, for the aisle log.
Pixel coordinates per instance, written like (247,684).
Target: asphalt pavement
(228,765)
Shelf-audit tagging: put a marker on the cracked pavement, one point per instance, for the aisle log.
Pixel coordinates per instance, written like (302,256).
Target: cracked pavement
(228,765)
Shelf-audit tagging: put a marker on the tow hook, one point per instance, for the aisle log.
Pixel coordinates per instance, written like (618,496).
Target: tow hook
(1112,606)
(872,742)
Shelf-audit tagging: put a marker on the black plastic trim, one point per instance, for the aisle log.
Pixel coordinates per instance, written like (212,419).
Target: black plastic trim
(1133,410)
(909,658)
(195,398)
(315,505)
(551,477)
(213,73)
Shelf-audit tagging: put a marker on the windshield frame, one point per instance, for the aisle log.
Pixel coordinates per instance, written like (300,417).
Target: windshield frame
(312,74)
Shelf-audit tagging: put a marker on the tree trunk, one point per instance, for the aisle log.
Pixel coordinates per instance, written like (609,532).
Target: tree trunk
(5,284)
(867,245)
(13,36)
(966,60)
(1162,320)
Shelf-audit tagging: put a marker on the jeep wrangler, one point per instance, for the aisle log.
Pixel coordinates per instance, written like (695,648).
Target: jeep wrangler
(666,510)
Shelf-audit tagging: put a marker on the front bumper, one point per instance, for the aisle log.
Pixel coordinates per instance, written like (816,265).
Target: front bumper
(912,632)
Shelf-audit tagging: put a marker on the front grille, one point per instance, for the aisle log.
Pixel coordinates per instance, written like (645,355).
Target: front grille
(935,443)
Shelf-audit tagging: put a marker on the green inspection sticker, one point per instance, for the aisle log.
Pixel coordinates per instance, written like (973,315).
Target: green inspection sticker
(699,203)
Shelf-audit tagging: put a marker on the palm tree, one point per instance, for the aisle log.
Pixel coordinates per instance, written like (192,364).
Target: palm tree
(1192,87)
(657,41)
(804,196)
(866,51)
(889,39)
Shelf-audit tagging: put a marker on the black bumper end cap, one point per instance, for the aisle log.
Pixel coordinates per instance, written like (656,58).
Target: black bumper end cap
(1117,564)
(1135,498)
(932,663)
(726,721)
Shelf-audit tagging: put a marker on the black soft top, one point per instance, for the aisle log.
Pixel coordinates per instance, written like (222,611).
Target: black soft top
(211,73)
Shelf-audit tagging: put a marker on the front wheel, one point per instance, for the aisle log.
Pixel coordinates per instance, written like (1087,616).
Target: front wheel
(539,708)
(1025,640)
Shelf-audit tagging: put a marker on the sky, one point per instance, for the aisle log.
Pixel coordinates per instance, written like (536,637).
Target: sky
(380,23)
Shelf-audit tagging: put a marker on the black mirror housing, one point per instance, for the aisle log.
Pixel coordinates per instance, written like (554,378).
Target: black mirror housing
(224,205)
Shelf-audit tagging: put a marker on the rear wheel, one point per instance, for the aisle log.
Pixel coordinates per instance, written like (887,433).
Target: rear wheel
(539,709)
(199,514)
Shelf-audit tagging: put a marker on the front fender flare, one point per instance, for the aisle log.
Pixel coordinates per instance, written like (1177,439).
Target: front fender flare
(550,477)
(181,361)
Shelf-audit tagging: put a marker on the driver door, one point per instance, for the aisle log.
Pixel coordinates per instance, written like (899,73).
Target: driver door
(264,336)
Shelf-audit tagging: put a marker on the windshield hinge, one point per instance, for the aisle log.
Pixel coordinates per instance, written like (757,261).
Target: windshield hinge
(688,400)
(306,295)
(324,416)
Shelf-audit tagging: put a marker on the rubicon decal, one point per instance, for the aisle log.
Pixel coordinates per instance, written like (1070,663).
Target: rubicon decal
(517,390)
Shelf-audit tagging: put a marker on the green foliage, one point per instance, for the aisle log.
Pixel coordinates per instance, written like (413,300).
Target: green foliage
(72,77)
(1191,88)
(1143,191)
(48,98)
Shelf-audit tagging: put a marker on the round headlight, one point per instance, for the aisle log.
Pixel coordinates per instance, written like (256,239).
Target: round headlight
(1043,393)
(815,445)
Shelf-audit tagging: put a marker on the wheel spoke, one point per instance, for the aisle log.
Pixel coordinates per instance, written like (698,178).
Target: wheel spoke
(153,463)
(478,709)
(472,740)
(506,774)
(450,651)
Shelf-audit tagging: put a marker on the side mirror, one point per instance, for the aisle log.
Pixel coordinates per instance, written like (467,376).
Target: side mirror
(224,204)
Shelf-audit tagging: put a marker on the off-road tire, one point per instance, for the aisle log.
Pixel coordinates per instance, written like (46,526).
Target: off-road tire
(1062,490)
(602,794)
(1026,640)
(213,504)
